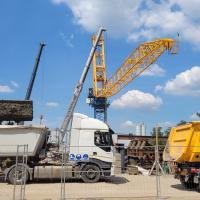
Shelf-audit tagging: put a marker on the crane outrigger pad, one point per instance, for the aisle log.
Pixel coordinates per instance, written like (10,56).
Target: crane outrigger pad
(16,110)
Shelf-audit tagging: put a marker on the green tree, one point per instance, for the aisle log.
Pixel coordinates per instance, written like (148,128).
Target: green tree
(198,114)
(160,134)
(182,122)
(159,130)
(167,131)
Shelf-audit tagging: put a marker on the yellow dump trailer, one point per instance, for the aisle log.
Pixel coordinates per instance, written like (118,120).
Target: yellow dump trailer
(184,143)
(183,148)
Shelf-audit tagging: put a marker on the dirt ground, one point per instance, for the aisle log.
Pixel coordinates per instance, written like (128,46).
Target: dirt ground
(120,187)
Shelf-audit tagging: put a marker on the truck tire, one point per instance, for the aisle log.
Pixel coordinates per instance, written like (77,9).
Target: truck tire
(183,183)
(188,184)
(198,187)
(90,174)
(22,177)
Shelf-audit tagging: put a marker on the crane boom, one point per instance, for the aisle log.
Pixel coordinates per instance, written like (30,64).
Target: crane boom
(138,61)
(79,87)
(37,61)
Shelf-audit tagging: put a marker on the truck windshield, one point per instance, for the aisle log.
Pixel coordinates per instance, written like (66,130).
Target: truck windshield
(103,140)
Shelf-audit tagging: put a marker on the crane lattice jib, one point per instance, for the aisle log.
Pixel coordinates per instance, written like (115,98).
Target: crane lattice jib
(137,62)
(99,69)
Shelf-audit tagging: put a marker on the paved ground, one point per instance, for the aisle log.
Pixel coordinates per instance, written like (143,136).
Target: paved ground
(121,187)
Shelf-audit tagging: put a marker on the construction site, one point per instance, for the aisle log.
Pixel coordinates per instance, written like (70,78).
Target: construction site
(85,155)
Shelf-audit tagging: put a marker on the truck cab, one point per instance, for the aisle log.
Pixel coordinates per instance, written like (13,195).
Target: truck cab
(91,144)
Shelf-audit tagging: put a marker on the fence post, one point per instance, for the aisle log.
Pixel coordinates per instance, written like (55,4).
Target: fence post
(24,173)
(158,187)
(63,171)
(24,155)
(16,165)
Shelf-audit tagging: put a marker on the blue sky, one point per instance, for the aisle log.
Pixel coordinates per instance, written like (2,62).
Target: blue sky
(66,27)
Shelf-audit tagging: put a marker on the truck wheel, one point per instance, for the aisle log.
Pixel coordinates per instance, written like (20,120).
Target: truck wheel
(183,183)
(198,187)
(90,174)
(188,185)
(18,175)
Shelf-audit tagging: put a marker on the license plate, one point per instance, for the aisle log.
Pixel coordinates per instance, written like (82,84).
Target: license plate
(196,179)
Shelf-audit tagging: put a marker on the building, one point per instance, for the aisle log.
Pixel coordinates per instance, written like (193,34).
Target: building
(140,130)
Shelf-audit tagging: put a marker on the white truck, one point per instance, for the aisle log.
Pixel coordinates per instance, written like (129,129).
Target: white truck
(90,155)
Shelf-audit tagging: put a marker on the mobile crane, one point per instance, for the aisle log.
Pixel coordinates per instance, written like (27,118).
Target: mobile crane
(137,62)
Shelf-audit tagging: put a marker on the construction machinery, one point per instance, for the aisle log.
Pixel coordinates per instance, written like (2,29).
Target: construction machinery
(87,154)
(137,62)
(183,149)
(90,157)
(21,110)
(35,69)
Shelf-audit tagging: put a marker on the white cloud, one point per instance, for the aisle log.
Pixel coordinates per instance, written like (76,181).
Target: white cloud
(5,89)
(67,39)
(137,100)
(185,83)
(139,19)
(118,16)
(52,104)
(158,88)
(191,7)
(128,124)
(154,70)
(194,117)
(166,124)
(15,84)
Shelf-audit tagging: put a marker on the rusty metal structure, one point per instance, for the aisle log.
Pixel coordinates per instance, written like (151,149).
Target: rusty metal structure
(141,152)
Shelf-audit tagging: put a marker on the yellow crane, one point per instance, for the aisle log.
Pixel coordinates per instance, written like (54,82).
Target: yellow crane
(137,62)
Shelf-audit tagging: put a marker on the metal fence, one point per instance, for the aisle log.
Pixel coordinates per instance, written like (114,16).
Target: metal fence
(140,173)
(15,159)
(20,172)
(136,176)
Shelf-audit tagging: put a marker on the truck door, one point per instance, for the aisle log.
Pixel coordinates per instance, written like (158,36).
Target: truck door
(103,146)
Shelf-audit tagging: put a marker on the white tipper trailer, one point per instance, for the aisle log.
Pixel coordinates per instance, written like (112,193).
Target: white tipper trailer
(90,154)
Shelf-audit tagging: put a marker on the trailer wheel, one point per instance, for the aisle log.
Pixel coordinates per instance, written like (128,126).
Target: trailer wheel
(18,175)
(90,174)
(198,187)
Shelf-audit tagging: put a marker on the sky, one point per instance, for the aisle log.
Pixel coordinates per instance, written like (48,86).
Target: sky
(165,94)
